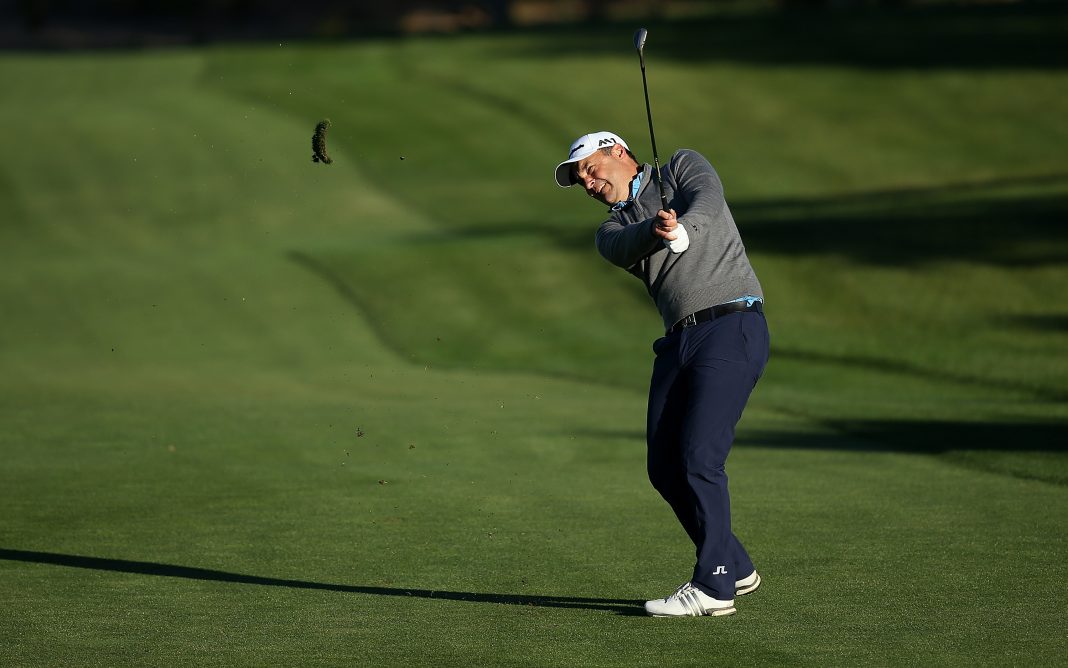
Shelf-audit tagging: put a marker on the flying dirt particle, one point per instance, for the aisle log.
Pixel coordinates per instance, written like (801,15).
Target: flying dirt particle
(383,482)
(359,432)
(411,446)
(402,157)
(319,142)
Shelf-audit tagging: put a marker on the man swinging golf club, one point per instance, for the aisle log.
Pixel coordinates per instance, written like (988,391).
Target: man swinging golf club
(691,259)
(681,241)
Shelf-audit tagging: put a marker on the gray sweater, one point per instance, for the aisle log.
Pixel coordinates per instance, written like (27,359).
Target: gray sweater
(713,270)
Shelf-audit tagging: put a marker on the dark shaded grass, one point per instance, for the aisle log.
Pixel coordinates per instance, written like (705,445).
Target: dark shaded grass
(622,606)
(982,223)
(966,36)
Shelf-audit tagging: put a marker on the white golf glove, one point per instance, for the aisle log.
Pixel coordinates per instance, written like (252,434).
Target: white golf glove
(681,242)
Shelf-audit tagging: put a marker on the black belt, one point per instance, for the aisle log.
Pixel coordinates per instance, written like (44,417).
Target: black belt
(713,313)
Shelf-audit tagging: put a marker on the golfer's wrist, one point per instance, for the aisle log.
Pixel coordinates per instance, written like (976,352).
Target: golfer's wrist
(681,241)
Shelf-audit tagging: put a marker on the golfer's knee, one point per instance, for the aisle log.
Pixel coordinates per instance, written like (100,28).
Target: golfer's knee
(664,478)
(655,473)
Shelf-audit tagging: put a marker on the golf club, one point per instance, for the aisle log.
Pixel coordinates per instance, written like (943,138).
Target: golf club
(639,44)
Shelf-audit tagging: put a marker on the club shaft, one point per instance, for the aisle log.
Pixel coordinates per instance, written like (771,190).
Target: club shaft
(652,140)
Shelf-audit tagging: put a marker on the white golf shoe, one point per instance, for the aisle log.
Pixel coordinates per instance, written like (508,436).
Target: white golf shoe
(689,601)
(747,585)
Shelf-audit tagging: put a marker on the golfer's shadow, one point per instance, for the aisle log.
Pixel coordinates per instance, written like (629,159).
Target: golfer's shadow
(619,606)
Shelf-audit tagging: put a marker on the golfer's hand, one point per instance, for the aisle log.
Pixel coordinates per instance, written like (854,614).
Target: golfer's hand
(670,232)
(665,225)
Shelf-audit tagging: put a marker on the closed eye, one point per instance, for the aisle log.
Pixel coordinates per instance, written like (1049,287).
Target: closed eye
(580,171)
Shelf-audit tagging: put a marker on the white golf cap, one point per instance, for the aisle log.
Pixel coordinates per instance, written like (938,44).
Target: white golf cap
(582,147)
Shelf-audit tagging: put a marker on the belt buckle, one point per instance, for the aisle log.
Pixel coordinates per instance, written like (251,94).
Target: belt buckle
(689,321)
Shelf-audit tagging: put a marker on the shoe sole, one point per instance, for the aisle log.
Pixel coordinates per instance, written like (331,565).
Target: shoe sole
(748,589)
(715,612)
(721,612)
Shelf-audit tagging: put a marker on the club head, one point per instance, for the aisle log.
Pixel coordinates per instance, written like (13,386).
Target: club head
(639,39)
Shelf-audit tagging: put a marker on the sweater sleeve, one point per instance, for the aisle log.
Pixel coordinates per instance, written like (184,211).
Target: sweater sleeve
(625,245)
(699,186)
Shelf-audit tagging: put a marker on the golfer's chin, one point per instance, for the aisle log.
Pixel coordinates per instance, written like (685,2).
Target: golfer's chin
(605,198)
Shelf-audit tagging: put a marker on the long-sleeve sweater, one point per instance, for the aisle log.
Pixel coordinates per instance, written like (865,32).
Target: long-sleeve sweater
(713,270)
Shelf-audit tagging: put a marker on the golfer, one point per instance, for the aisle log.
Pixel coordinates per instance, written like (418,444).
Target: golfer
(692,261)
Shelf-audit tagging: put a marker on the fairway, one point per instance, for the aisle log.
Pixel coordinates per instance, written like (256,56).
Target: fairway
(390,411)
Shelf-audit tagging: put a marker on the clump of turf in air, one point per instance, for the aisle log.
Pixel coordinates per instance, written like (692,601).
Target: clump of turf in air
(319,142)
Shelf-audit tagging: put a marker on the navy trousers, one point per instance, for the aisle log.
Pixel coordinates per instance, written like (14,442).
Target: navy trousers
(702,379)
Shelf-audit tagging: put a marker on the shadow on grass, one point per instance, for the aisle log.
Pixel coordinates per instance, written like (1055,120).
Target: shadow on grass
(987,223)
(1017,35)
(1043,323)
(619,606)
(920,436)
(932,437)
(877,365)
(1021,34)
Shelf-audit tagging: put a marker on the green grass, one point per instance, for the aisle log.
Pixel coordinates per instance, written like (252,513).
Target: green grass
(259,411)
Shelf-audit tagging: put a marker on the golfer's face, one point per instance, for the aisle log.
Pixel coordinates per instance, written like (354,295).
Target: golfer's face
(604,176)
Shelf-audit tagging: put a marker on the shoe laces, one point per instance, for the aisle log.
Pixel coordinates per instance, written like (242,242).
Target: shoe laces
(685,589)
(689,596)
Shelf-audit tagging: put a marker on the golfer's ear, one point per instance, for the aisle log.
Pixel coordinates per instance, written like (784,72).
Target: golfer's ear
(618,151)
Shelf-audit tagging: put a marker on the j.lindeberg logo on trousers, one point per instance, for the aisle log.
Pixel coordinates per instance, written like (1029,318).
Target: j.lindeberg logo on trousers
(720,570)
